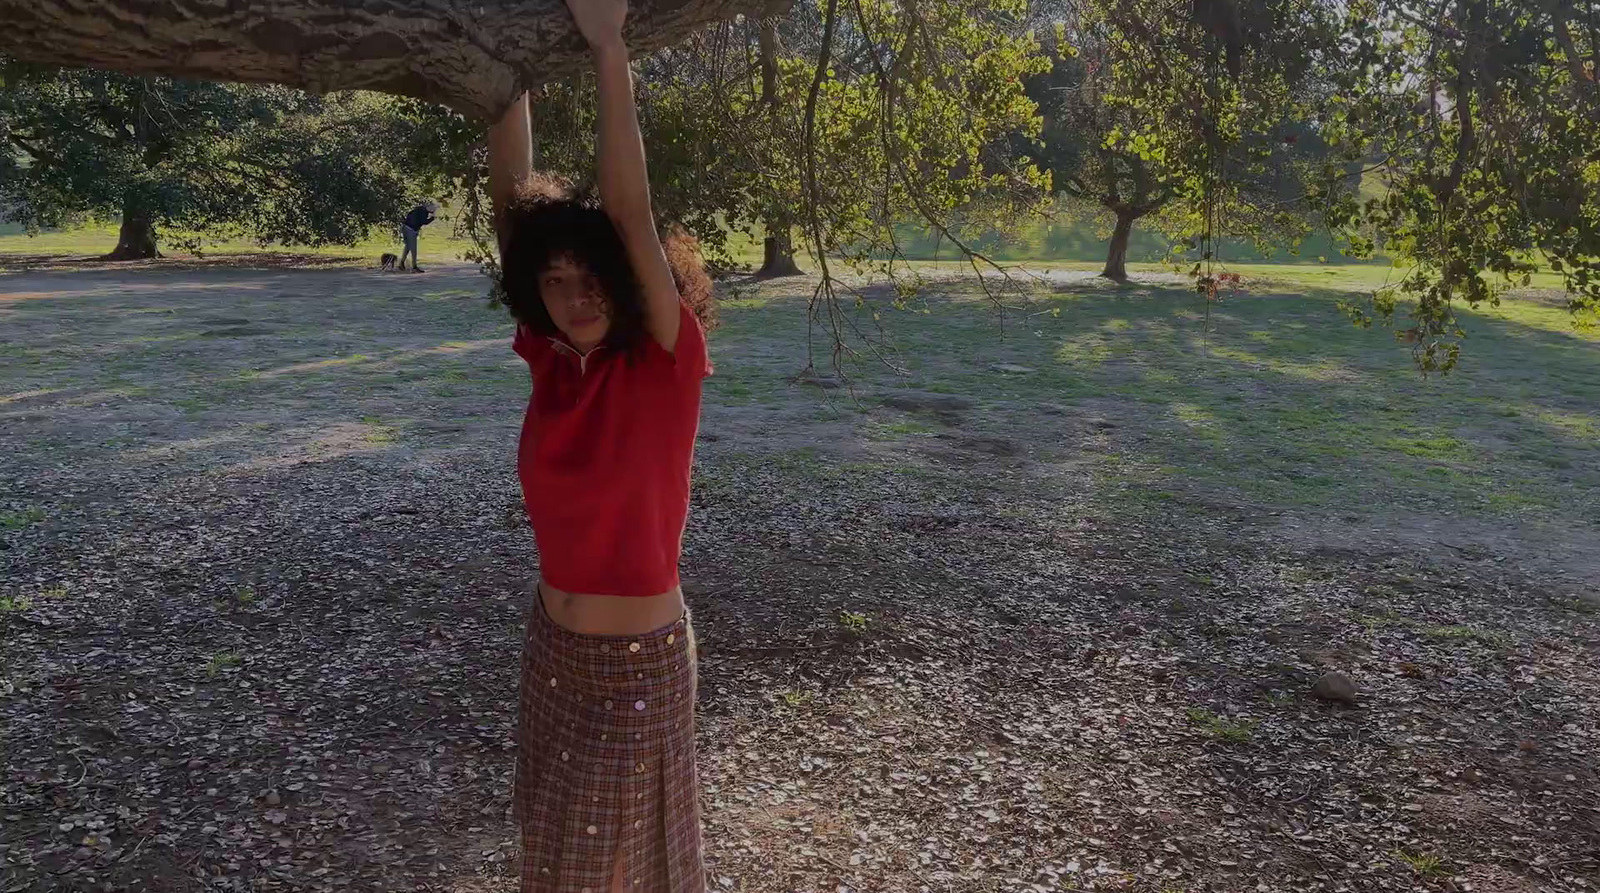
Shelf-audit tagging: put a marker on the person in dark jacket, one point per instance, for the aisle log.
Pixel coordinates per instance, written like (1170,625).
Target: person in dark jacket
(420,216)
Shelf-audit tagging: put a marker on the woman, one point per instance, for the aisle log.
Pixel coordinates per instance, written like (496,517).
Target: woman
(606,788)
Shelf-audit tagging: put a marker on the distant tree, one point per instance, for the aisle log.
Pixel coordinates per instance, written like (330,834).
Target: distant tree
(1118,66)
(1460,136)
(190,157)
(1074,145)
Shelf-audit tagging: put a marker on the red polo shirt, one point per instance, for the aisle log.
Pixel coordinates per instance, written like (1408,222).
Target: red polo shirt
(604,459)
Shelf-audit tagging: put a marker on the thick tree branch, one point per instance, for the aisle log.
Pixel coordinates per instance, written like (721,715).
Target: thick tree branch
(475,57)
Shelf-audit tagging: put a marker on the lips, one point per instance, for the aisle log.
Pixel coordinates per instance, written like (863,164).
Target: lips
(582,321)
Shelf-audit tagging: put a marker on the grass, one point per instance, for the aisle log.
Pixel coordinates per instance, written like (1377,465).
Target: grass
(220,661)
(378,432)
(14,603)
(99,238)
(1425,864)
(1220,727)
(797,698)
(1280,405)
(20,519)
(853,623)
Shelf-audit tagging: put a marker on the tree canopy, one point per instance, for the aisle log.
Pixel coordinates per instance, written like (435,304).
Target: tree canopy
(194,157)
(1462,134)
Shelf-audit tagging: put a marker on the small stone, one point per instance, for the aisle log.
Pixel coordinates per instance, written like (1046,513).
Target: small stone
(1010,368)
(273,799)
(1336,687)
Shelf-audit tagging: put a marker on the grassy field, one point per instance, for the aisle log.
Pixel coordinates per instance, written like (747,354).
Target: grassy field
(101,238)
(437,244)
(1279,405)
(1071,239)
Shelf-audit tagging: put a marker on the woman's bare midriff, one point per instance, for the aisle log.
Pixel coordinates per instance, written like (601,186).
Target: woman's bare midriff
(611,615)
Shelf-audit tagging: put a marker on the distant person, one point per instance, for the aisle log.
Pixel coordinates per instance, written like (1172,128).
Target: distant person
(420,216)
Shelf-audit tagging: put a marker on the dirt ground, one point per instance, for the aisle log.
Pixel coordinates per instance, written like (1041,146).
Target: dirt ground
(263,572)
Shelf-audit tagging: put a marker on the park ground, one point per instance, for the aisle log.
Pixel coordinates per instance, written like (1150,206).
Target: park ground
(1032,601)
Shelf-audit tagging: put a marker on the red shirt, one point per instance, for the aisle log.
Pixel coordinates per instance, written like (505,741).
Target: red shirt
(604,459)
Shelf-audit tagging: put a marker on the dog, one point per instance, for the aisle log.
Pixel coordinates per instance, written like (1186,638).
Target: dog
(388,261)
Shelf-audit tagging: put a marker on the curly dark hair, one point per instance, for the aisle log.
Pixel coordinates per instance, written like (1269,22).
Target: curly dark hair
(549,218)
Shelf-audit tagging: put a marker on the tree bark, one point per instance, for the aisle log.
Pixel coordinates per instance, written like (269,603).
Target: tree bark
(1117,254)
(777,255)
(137,238)
(475,56)
(777,250)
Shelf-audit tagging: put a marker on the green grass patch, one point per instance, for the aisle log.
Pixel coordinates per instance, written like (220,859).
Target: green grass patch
(1220,727)
(795,697)
(853,623)
(11,604)
(220,661)
(23,518)
(378,432)
(1425,864)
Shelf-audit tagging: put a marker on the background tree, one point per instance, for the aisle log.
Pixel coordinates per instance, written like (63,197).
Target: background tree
(1073,146)
(193,157)
(1458,135)
(1186,114)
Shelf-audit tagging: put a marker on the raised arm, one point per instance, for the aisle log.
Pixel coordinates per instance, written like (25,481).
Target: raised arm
(624,184)
(510,160)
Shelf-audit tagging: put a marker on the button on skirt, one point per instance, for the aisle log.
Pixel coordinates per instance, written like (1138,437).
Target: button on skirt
(606,760)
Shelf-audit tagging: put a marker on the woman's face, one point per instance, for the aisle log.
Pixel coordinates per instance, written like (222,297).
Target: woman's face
(575,301)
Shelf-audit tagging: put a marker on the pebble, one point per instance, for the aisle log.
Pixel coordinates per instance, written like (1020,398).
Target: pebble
(1336,687)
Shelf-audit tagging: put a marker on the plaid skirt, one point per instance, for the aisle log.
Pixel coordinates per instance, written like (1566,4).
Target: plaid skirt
(606,760)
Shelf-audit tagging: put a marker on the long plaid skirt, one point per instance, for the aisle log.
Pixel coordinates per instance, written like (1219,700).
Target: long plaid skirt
(606,760)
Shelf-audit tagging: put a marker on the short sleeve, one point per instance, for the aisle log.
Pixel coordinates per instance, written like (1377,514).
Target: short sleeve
(530,346)
(689,356)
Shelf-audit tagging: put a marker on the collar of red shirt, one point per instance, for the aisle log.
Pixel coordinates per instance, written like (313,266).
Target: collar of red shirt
(561,346)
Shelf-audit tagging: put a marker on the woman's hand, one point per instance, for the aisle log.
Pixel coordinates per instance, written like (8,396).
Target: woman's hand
(599,21)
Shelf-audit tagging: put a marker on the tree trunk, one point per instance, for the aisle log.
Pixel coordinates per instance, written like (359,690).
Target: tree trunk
(777,255)
(1117,255)
(475,56)
(777,250)
(137,238)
